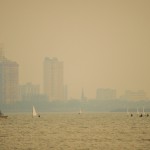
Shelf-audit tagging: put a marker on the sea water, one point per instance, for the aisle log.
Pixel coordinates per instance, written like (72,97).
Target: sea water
(73,131)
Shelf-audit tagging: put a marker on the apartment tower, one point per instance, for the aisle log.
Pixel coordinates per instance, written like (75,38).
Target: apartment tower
(9,77)
(53,79)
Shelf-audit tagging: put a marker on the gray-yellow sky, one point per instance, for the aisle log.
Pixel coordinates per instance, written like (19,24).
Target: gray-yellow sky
(103,43)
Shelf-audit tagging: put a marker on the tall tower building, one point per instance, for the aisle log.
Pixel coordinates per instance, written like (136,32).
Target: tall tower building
(53,79)
(8,80)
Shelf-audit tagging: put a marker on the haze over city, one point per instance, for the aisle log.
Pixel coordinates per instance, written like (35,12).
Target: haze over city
(102,43)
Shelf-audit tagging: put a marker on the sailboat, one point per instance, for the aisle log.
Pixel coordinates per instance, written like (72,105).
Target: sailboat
(2,115)
(143,112)
(137,112)
(127,111)
(80,112)
(34,113)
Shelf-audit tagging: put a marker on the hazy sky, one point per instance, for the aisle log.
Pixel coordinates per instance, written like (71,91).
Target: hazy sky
(103,43)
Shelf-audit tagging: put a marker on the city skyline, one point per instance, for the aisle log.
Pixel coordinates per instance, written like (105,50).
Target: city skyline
(102,45)
(51,64)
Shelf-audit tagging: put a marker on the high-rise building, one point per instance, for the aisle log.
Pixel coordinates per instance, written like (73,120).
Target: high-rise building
(105,94)
(134,95)
(8,80)
(53,79)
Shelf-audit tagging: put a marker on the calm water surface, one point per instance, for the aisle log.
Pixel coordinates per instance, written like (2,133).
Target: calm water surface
(71,131)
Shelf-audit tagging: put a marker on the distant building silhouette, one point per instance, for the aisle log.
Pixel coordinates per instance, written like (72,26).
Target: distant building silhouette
(105,94)
(134,95)
(53,79)
(9,77)
(28,90)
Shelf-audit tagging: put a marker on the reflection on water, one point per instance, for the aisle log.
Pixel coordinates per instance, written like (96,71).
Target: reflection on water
(75,132)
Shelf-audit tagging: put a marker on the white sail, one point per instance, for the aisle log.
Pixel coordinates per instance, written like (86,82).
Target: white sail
(143,111)
(137,111)
(80,112)
(34,113)
(127,111)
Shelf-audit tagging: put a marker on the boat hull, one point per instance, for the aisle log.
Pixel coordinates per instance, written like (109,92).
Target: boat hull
(4,117)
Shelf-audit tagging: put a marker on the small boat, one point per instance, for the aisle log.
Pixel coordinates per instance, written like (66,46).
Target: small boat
(127,112)
(34,113)
(80,112)
(2,115)
(137,111)
(143,113)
